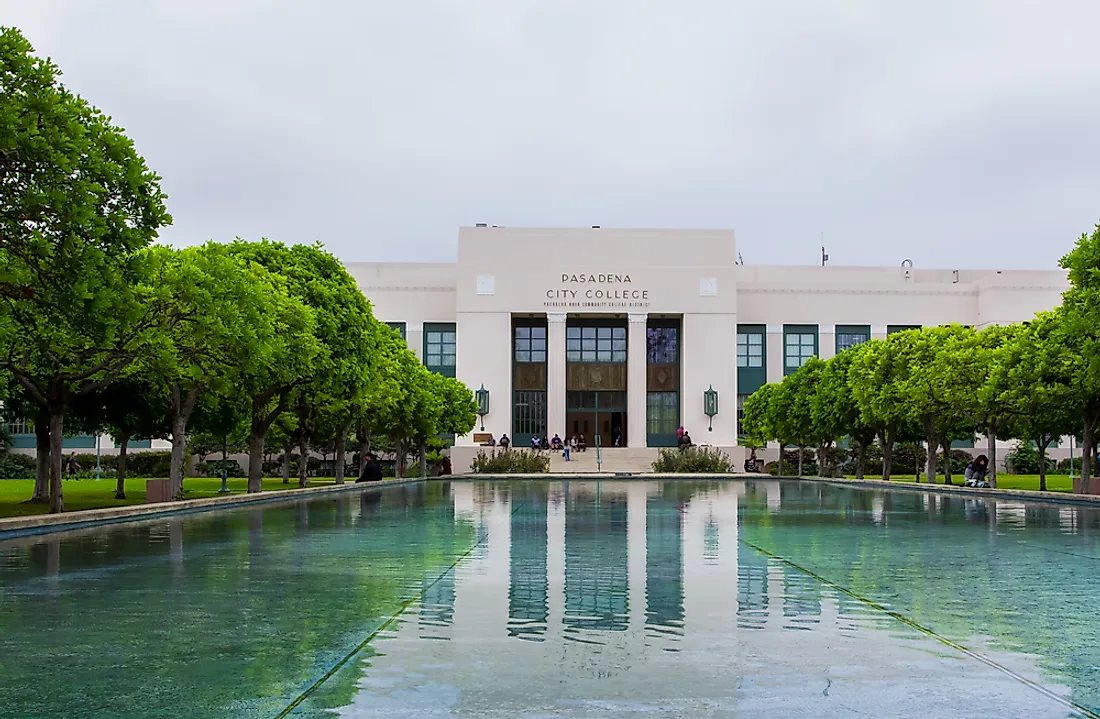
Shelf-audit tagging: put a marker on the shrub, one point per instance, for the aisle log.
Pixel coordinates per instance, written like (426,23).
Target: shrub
(909,458)
(1024,459)
(213,468)
(16,466)
(694,460)
(790,463)
(959,459)
(148,464)
(512,461)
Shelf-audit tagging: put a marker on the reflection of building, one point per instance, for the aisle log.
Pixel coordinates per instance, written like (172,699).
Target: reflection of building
(664,564)
(596,574)
(527,587)
(752,588)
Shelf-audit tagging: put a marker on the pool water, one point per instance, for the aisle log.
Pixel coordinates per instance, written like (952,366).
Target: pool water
(563,599)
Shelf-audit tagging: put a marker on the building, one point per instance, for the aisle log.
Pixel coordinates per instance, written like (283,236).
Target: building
(619,333)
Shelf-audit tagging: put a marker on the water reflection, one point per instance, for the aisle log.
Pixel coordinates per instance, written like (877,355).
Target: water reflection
(562,598)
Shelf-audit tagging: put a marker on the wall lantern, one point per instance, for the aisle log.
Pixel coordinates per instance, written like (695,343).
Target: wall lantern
(710,405)
(482,396)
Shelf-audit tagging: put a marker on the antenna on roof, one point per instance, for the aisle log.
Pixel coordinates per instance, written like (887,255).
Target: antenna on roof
(740,261)
(824,254)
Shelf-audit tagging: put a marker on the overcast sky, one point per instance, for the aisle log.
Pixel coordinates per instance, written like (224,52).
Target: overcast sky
(957,133)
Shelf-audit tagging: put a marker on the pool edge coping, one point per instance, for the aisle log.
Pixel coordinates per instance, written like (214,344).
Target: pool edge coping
(1030,495)
(15,527)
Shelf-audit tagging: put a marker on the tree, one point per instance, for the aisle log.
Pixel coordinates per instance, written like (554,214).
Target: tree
(758,421)
(76,203)
(219,423)
(133,407)
(1079,328)
(1036,378)
(932,384)
(875,377)
(835,409)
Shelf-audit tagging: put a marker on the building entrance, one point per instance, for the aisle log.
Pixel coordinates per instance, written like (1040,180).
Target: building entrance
(599,416)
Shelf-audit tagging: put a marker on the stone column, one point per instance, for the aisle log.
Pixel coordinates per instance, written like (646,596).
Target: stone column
(555,374)
(636,380)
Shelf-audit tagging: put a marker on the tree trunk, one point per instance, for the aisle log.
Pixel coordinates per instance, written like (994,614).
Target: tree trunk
(423,460)
(183,404)
(303,459)
(779,466)
(256,458)
(57,429)
(861,451)
(992,443)
(820,460)
(120,484)
(946,461)
(933,443)
(800,460)
(1043,465)
(363,436)
(286,463)
(886,440)
(42,460)
(341,441)
(1087,439)
(179,448)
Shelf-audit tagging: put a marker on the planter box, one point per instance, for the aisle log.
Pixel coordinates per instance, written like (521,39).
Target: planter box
(156,490)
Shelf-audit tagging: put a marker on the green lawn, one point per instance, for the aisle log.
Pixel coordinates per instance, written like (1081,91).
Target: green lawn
(90,494)
(1055,482)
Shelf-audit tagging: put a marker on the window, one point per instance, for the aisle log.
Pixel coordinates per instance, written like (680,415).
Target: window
(750,349)
(891,329)
(662,413)
(595,344)
(848,336)
(399,326)
(799,345)
(439,346)
(662,345)
(531,344)
(529,413)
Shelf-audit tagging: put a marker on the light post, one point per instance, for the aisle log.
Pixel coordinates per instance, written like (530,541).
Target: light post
(710,406)
(482,396)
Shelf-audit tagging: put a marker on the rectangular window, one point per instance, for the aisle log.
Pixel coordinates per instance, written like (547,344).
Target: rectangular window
(662,345)
(848,336)
(530,344)
(529,413)
(891,329)
(799,345)
(750,350)
(440,347)
(662,413)
(595,344)
(399,326)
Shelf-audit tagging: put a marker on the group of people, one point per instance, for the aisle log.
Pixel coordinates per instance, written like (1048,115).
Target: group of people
(683,439)
(576,443)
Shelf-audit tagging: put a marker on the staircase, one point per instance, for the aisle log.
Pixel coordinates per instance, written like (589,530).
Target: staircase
(615,459)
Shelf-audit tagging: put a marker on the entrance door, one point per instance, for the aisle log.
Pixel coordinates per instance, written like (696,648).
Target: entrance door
(597,414)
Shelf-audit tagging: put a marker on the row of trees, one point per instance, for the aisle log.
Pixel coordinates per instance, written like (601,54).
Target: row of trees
(101,330)
(1036,381)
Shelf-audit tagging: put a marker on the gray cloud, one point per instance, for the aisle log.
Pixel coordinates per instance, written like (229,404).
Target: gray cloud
(956,133)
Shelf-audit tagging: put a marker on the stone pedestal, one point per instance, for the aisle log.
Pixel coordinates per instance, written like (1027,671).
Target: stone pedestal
(156,490)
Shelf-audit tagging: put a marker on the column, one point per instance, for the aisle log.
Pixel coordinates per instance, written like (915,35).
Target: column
(636,380)
(555,374)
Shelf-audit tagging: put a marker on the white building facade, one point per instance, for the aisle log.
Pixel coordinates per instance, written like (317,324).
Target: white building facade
(618,334)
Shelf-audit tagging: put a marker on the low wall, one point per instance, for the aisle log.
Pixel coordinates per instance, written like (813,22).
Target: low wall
(47,523)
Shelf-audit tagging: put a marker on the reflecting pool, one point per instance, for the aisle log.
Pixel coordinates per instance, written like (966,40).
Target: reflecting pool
(563,599)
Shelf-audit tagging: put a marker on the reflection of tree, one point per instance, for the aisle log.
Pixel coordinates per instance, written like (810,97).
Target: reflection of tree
(596,581)
(944,564)
(528,586)
(260,609)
